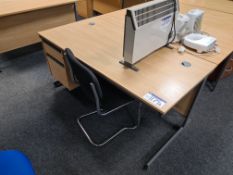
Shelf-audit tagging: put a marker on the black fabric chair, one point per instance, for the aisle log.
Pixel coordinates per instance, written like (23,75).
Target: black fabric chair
(94,90)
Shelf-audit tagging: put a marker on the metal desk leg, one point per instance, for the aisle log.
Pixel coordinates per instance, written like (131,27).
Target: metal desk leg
(177,133)
(75,11)
(212,84)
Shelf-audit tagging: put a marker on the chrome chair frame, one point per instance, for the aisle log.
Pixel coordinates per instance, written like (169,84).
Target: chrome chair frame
(101,112)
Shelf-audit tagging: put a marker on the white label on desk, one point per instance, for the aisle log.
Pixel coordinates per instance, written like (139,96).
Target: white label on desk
(155,100)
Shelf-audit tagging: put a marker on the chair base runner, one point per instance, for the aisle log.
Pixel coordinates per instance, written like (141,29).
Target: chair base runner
(114,135)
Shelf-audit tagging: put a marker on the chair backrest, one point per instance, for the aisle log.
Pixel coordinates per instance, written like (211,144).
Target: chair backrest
(84,76)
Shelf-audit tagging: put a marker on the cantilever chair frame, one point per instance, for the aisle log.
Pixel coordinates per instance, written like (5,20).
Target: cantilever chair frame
(103,113)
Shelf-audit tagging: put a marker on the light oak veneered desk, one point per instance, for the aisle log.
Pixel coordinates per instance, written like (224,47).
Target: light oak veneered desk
(21,20)
(219,25)
(107,6)
(218,5)
(100,46)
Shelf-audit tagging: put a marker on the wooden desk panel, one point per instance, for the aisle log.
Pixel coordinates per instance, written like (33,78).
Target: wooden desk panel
(85,8)
(218,5)
(12,7)
(106,6)
(21,30)
(19,25)
(101,46)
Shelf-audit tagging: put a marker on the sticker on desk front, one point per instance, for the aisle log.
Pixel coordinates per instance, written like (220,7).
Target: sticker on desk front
(155,100)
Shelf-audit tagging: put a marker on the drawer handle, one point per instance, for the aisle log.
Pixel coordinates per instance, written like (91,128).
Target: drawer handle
(228,69)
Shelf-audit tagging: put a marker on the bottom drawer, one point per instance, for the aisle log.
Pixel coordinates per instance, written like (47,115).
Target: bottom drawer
(60,73)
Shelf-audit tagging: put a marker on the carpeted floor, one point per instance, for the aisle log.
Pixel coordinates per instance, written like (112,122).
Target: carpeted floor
(40,120)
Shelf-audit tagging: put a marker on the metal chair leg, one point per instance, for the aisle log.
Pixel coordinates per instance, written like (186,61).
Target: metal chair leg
(110,138)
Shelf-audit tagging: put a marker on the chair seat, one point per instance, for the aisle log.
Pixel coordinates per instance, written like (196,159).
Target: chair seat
(114,96)
(15,163)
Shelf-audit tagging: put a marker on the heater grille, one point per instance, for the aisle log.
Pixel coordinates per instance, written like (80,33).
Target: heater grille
(148,14)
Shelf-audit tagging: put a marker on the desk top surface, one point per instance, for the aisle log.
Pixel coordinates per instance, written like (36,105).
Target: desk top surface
(219,5)
(219,25)
(101,46)
(11,7)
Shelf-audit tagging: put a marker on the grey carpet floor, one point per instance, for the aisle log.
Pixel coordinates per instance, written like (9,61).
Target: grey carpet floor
(40,120)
